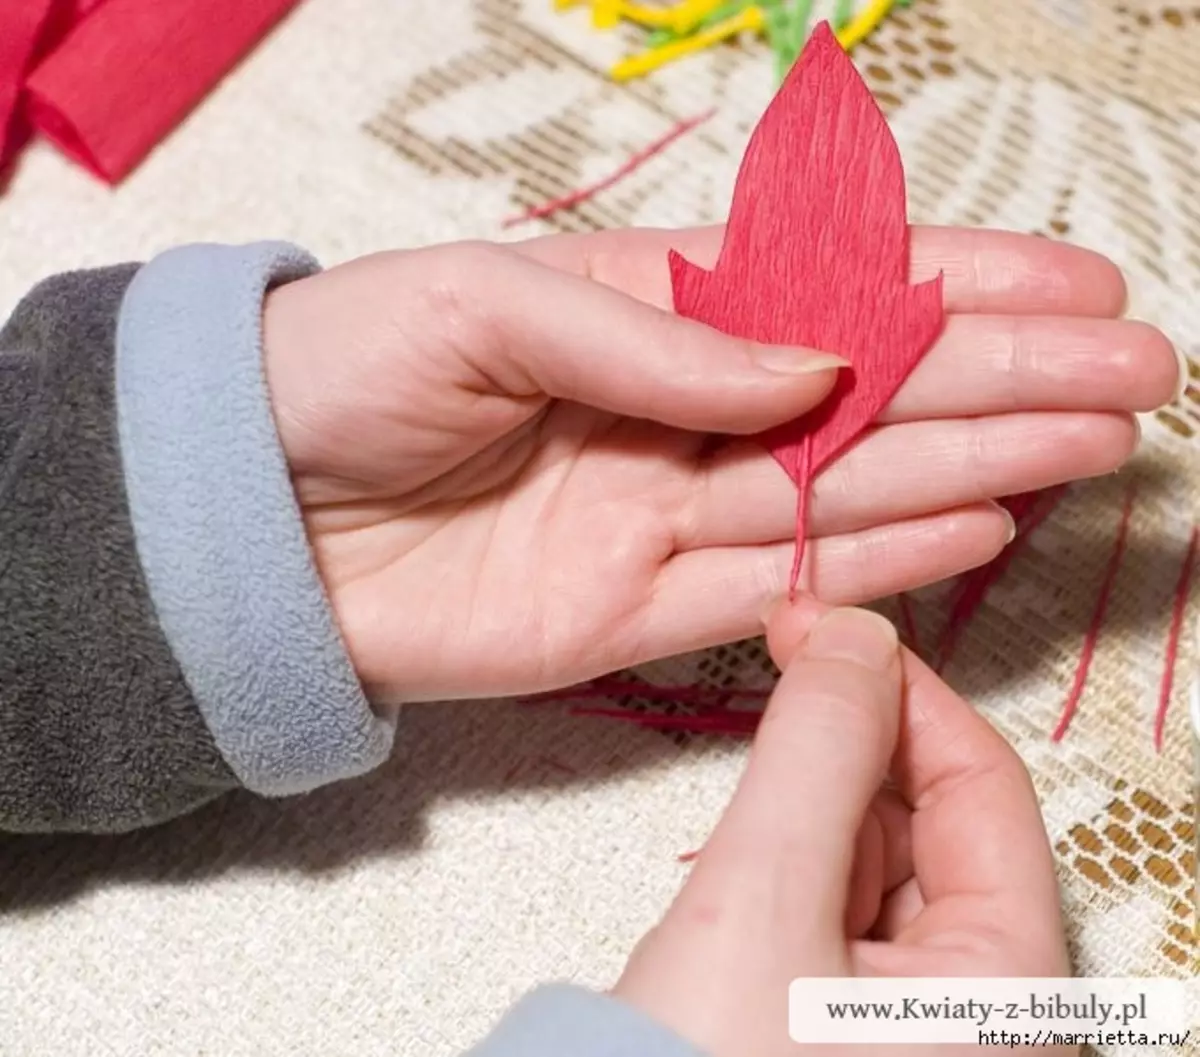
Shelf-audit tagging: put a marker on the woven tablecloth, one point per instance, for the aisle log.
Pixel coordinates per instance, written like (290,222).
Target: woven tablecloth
(502,846)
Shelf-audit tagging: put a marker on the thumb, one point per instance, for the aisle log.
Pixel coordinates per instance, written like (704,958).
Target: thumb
(579,340)
(821,753)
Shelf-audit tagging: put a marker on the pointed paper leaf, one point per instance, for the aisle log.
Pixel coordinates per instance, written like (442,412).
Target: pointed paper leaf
(816,255)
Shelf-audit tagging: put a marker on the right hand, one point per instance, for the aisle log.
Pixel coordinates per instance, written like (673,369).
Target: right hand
(819,869)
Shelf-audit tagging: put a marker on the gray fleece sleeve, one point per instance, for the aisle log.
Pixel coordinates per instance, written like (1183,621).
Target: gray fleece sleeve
(164,635)
(564,1021)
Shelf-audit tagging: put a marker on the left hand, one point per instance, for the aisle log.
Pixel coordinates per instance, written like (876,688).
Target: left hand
(504,454)
(819,869)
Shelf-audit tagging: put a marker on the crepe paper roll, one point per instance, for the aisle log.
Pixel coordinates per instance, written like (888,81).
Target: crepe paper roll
(128,73)
(22,25)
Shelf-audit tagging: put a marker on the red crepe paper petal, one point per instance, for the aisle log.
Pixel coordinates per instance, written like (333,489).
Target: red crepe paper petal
(816,255)
(129,72)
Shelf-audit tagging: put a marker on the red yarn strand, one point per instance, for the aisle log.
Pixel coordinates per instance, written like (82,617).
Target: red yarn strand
(1029,511)
(698,696)
(1093,632)
(1182,590)
(740,724)
(635,162)
(908,624)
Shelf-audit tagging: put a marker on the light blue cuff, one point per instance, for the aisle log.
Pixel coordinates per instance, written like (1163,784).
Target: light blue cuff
(563,1021)
(218,527)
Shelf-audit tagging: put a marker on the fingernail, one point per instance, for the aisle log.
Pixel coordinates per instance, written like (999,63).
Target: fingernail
(770,609)
(856,635)
(787,359)
(1010,533)
(1185,374)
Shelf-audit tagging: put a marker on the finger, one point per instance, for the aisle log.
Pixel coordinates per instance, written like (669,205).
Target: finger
(967,789)
(882,860)
(899,909)
(866,878)
(742,496)
(985,271)
(541,330)
(706,597)
(820,755)
(988,365)
(895,822)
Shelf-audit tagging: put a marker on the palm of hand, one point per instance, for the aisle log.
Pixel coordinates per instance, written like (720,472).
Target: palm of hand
(546,549)
(510,483)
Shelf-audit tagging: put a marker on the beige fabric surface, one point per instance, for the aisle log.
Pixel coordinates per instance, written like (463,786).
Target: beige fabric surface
(398,915)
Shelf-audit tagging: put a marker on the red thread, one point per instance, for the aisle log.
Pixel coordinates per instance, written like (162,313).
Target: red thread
(557,765)
(1028,511)
(816,254)
(1093,632)
(634,163)
(1172,654)
(690,856)
(908,623)
(699,695)
(740,724)
(684,694)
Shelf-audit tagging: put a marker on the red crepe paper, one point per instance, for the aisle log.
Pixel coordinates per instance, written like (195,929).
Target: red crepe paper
(816,254)
(120,74)
(23,24)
